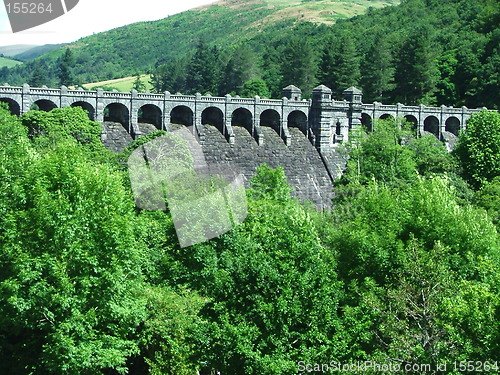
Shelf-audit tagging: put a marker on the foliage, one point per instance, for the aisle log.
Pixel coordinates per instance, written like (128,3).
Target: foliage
(416,72)
(269,183)
(393,154)
(299,65)
(70,277)
(381,155)
(404,253)
(139,85)
(405,58)
(478,148)
(488,197)
(378,71)
(203,71)
(402,270)
(274,293)
(339,67)
(255,87)
(66,66)
(170,76)
(63,122)
(241,68)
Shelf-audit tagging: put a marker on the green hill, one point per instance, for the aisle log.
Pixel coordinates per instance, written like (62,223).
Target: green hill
(15,49)
(34,52)
(418,52)
(9,63)
(138,47)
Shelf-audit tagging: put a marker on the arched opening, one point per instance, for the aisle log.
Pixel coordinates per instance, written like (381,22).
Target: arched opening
(298,119)
(386,116)
(150,114)
(43,105)
(87,107)
(213,116)
(242,117)
(270,118)
(182,115)
(431,125)
(452,125)
(366,121)
(412,120)
(117,112)
(14,107)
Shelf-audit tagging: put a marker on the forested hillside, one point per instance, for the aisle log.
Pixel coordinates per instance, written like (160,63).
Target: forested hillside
(139,47)
(422,51)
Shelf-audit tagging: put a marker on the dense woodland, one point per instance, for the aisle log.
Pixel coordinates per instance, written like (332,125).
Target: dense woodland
(404,270)
(421,51)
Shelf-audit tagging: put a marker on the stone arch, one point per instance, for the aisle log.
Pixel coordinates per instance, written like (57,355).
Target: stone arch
(118,112)
(387,116)
(150,114)
(271,118)
(14,106)
(87,107)
(242,117)
(413,120)
(213,116)
(298,119)
(366,121)
(452,125)
(44,105)
(431,125)
(181,115)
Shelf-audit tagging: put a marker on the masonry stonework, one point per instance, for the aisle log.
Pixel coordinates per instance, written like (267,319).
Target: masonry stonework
(302,136)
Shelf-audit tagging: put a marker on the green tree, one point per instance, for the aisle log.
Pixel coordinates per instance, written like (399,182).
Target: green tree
(70,275)
(377,71)
(489,198)
(381,155)
(447,92)
(299,65)
(139,85)
(241,67)
(416,69)
(272,72)
(66,67)
(405,255)
(339,66)
(271,286)
(61,123)
(478,148)
(170,76)
(39,76)
(254,87)
(204,70)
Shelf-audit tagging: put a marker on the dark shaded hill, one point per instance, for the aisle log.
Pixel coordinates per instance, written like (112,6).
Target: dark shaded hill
(34,52)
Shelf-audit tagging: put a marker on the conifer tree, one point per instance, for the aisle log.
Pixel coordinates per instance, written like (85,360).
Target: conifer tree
(66,64)
(240,68)
(416,69)
(38,76)
(299,65)
(378,70)
(203,71)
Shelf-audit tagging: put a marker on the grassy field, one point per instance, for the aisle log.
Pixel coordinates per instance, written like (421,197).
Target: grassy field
(121,84)
(319,11)
(9,63)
